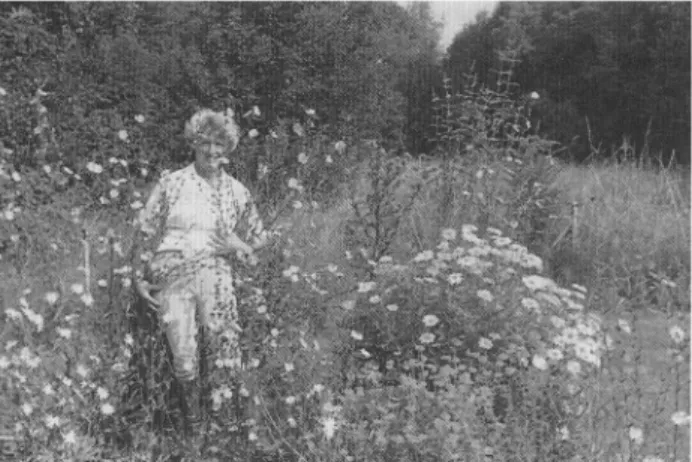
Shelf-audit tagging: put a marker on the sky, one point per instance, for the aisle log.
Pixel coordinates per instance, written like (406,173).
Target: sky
(454,14)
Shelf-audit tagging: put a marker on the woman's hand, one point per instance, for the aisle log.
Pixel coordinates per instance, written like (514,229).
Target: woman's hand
(224,245)
(144,289)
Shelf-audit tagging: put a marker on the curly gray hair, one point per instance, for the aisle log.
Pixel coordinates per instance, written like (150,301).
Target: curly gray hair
(206,125)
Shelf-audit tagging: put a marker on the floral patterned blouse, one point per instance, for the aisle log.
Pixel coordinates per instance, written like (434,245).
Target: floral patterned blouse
(184,211)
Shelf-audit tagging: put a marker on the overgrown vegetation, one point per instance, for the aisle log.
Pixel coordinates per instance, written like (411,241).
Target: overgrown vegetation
(443,308)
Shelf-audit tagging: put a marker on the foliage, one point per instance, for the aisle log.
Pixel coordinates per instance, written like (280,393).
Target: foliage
(622,66)
(448,345)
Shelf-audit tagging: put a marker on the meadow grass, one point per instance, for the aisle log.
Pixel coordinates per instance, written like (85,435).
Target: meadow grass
(638,224)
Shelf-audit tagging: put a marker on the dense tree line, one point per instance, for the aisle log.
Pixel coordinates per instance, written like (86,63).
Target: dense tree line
(624,66)
(368,70)
(350,64)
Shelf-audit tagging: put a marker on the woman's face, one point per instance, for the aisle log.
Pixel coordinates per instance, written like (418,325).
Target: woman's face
(209,154)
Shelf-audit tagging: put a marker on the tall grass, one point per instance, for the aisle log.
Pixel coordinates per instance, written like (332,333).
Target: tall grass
(629,216)
(449,342)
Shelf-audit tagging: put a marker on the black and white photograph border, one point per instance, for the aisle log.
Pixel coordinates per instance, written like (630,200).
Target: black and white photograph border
(345,231)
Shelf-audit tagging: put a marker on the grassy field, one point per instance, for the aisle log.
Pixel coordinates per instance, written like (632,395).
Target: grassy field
(631,250)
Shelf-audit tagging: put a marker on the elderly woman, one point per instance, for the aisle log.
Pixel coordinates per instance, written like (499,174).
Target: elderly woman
(198,217)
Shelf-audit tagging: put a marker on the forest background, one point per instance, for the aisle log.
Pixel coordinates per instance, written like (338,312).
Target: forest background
(366,68)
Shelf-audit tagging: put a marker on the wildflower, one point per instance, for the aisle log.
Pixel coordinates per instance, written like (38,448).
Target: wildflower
(291,270)
(87,299)
(297,205)
(291,422)
(16,177)
(392,307)
(77,289)
(310,112)
(356,335)
(557,321)
(535,95)
(426,338)
(318,388)
(426,255)
(107,409)
(274,331)
(253,133)
(531,261)
(348,304)
(573,367)
(636,435)
(677,334)
(93,167)
(485,343)
(449,234)
(570,335)
(680,418)
(9,215)
(51,297)
(469,229)
(3,92)
(48,390)
(563,433)
(27,409)
(289,367)
(303,158)
(585,351)
(122,134)
(70,437)
(64,333)
(82,371)
(129,340)
(4,363)
(430,320)
(294,184)
(624,326)
(539,362)
(102,393)
(485,295)
(136,205)
(261,309)
(52,421)
(252,436)
(364,287)
(535,282)
(554,354)
(290,400)
(454,279)
(375,299)
(588,327)
(328,427)
(139,118)
(298,130)
(340,147)
(328,159)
